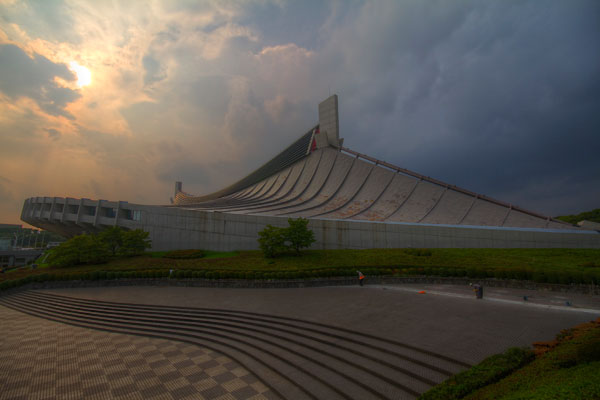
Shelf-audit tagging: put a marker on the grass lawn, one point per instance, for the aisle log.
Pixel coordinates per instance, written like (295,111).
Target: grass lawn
(575,260)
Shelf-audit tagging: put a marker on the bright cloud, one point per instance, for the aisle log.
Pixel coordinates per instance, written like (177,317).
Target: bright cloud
(84,76)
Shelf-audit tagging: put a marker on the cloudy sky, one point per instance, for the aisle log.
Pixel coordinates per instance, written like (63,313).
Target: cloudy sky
(119,99)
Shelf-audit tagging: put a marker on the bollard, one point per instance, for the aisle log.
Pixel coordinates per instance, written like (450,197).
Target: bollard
(478,289)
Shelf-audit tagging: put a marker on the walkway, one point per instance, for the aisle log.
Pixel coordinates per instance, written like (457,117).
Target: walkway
(301,343)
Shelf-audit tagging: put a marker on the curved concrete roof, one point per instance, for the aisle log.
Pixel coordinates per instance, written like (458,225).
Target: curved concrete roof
(338,183)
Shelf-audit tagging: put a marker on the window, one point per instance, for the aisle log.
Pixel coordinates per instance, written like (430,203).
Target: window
(137,215)
(89,210)
(108,212)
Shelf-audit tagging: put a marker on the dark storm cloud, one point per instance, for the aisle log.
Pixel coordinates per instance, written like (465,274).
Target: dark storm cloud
(34,78)
(501,98)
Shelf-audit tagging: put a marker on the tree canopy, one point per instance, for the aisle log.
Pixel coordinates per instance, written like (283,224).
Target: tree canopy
(96,249)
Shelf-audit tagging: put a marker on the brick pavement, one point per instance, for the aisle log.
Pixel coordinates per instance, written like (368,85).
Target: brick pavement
(41,359)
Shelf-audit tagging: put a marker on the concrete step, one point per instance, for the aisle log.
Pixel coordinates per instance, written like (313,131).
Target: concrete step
(297,358)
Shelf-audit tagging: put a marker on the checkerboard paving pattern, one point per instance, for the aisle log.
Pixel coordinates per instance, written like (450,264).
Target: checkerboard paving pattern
(41,359)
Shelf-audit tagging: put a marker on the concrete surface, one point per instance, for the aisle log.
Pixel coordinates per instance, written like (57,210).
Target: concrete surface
(419,203)
(394,340)
(460,327)
(372,189)
(41,359)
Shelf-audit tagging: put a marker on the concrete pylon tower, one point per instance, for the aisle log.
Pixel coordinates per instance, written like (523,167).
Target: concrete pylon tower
(329,132)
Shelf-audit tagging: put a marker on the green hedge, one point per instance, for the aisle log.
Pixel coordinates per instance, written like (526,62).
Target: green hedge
(490,370)
(590,276)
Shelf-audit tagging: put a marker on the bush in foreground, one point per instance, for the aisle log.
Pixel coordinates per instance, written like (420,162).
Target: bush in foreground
(566,368)
(490,370)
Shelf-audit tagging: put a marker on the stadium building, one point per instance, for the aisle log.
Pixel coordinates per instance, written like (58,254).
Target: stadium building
(352,201)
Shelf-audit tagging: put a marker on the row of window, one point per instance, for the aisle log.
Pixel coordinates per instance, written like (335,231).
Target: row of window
(108,212)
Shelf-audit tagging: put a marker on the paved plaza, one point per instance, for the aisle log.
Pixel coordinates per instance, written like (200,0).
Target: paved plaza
(429,336)
(40,359)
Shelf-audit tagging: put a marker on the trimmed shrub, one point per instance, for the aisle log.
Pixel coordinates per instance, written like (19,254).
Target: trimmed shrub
(540,277)
(490,370)
(418,252)
(552,277)
(589,277)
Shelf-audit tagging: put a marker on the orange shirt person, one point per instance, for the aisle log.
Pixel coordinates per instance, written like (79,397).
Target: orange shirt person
(361,278)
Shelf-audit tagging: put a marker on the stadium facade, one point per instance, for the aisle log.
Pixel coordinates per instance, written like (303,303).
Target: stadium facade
(352,201)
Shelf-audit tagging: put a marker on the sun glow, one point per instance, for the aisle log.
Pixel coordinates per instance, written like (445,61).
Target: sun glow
(84,76)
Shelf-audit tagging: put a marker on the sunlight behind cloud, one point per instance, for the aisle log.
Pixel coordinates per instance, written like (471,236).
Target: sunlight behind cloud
(84,76)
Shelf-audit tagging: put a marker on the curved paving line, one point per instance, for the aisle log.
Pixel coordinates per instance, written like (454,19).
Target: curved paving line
(235,319)
(141,326)
(335,328)
(154,323)
(162,335)
(442,371)
(192,323)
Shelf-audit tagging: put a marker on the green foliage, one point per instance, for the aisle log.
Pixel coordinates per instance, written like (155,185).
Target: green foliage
(271,241)
(113,237)
(593,216)
(189,254)
(298,235)
(418,252)
(134,242)
(82,249)
(569,371)
(274,240)
(97,249)
(490,370)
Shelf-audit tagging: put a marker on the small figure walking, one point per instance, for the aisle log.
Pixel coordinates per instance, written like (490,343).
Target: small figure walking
(361,278)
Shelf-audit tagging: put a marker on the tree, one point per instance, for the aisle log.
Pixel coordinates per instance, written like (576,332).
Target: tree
(272,240)
(95,249)
(134,242)
(298,234)
(113,237)
(82,249)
